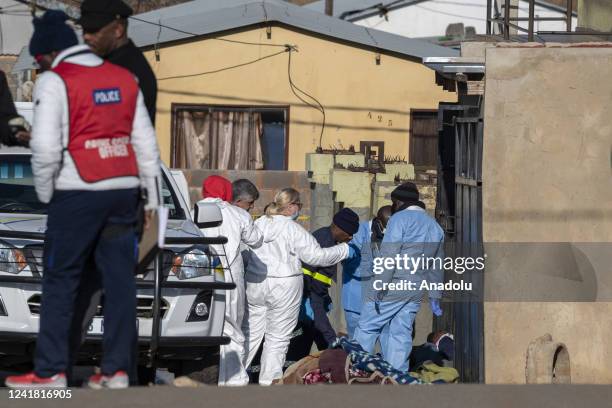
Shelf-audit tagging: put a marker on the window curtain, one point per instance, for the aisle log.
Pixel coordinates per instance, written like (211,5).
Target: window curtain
(219,140)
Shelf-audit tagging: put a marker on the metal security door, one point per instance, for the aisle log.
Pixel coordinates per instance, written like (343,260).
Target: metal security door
(468,313)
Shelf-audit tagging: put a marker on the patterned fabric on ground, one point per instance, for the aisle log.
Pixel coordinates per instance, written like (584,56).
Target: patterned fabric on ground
(296,372)
(317,377)
(364,361)
(371,378)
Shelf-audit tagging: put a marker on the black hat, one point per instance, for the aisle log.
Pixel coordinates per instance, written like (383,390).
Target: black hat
(347,220)
(51,33)
(95,14)
(407,192)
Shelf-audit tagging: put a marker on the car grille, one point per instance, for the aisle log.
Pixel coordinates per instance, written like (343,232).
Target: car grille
(34,258)
(144,307)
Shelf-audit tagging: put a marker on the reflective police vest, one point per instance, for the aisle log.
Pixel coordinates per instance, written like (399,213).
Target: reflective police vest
(101,104)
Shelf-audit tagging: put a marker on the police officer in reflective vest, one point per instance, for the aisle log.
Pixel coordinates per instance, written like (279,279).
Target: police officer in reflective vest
(93,147)
(314,323)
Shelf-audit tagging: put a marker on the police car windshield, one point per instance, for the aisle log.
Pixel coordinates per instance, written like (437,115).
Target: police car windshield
(17,194)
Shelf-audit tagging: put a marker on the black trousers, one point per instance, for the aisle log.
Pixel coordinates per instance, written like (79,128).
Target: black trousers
(301,344)
(83,226)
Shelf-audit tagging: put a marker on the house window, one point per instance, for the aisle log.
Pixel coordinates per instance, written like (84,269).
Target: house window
(229,138)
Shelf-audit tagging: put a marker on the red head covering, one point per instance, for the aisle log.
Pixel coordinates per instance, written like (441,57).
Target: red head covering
(217,187)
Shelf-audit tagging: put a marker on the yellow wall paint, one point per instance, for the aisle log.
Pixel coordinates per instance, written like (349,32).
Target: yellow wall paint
(363,101)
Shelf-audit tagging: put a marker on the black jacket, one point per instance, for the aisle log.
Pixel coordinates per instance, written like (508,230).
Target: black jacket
(132,59)
(316,285)
(7,109)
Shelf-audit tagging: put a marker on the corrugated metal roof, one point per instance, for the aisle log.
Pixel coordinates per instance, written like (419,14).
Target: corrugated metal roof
(207,17)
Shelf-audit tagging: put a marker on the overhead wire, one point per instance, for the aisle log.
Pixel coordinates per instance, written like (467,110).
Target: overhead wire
(319,107)
(215,71)
(314,103)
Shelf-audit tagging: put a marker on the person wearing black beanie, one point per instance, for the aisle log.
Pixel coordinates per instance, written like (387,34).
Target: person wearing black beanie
(51,35)
(314,322)
(411,234)
(404,196)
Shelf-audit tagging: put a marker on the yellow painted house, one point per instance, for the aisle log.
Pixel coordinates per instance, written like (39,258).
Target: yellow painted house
(258,84)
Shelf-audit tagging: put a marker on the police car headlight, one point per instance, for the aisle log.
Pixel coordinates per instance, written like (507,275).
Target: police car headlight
(12,260)
(193,264)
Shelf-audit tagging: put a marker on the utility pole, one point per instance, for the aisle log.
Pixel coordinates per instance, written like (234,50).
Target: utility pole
(329,7)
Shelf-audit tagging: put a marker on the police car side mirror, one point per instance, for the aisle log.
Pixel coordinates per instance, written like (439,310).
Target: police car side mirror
(207,215)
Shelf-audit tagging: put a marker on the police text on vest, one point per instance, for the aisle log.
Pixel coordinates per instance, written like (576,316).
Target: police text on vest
(107,96)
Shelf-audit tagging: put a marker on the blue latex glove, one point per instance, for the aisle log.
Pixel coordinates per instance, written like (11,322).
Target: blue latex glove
(354,251)
(307,313)
(435,307)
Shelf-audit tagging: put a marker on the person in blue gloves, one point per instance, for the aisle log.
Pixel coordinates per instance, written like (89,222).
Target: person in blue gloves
(412,238)
(314,325)
(357,272)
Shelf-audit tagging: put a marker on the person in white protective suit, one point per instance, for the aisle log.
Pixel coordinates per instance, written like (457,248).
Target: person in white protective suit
(274,281)
(238,228)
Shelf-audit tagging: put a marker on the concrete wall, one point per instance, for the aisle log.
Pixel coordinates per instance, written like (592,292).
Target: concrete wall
(363,101)
(595,15)
(546,178)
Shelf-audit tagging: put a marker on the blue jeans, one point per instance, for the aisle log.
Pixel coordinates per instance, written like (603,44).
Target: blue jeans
(80,225)
(397,344)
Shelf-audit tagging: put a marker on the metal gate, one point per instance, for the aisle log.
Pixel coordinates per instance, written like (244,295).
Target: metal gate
(468,313)
(459,211)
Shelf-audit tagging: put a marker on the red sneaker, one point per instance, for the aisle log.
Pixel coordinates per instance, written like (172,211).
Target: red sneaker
(31,380)
(116,381)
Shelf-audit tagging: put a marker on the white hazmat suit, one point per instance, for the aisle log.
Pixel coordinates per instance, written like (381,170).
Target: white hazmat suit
(274,288)
(237,227)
